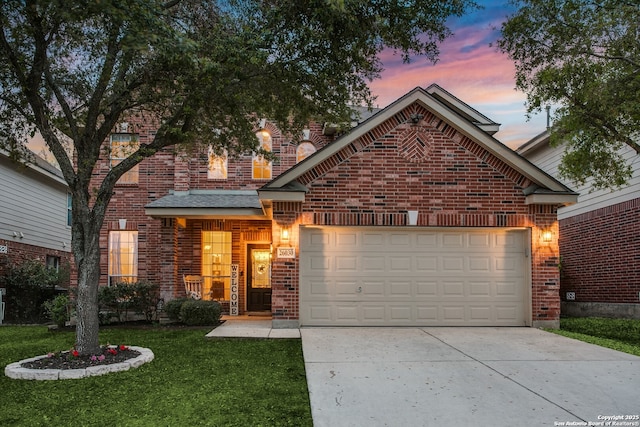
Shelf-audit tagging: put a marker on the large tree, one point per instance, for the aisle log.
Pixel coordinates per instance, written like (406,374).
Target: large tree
(72,70)
(584,56)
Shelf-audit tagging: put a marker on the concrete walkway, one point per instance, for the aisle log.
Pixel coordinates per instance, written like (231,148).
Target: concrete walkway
(250,327)
(457,376)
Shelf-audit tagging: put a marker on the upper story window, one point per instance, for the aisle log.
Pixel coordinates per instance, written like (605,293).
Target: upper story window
(218,165)
(261,167)
(304,150)
(122,146)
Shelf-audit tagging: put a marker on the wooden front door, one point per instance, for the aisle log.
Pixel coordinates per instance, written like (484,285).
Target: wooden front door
(258,278)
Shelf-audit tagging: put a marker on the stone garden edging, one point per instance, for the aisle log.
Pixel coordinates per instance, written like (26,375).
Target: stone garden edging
(16,371)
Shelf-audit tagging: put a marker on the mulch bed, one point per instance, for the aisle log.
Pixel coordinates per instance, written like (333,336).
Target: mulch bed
(67,360)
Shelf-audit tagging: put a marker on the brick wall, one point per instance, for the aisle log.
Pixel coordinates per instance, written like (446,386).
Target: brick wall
(601,254)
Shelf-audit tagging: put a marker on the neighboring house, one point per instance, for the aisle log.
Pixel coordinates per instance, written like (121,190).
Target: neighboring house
(35,213)
(599,240)
(416,216)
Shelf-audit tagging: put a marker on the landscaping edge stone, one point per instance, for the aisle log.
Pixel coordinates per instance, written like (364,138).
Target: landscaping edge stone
(16,371)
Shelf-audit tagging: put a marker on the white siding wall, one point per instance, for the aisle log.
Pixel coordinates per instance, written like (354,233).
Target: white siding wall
(33,204)
(548,159)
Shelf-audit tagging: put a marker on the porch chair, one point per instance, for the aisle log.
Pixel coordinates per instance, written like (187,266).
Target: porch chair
(193,286)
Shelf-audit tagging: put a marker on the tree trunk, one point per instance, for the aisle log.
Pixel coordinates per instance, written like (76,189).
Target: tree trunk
(87,328)
(86,251)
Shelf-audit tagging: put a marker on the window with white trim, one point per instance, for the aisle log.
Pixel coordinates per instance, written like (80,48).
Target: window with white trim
(123,256)
(218,165)
(122,146)
(261,167)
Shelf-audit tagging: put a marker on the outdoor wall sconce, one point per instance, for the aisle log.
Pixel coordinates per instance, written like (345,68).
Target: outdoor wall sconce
(284,234)
(412,217)
(547,236)
(122,223)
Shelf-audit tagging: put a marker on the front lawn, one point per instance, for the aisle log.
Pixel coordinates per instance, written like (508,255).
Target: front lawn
(618,334)
(191,382)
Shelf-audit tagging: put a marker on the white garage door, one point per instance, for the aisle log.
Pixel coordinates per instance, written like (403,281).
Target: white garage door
(366,276)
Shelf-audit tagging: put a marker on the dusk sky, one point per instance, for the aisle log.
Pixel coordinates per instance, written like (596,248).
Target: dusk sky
(472,70)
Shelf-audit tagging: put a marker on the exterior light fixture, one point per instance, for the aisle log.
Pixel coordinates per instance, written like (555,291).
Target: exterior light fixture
(547,236)
(415,117)
(412,217)
(284,234)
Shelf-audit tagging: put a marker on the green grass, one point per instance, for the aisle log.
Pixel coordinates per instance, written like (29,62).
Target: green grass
(191,382)
(618,334)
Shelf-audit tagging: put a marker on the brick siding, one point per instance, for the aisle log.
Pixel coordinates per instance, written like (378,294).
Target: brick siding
(601,254)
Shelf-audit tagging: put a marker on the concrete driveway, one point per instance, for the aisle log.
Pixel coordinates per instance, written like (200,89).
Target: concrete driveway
(465,377)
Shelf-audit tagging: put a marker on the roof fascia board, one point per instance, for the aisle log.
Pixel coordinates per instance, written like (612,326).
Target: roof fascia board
(551,199)
(205,213)
(39,170)
(282,196)
(483,121)
(534,143)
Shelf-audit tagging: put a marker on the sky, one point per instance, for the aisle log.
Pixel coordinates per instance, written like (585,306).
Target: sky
(470,69)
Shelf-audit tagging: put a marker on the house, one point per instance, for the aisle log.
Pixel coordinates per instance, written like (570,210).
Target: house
(416,216)
(599,240)
(35,214)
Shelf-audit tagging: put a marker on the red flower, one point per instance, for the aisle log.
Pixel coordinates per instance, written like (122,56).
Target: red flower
(75,353)
(123,347)
(113,351)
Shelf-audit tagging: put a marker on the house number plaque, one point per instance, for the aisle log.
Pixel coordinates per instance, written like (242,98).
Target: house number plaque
(286,253)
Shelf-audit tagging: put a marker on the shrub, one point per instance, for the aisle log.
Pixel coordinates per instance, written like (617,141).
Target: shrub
(199,312)
(172,308)
(29,285)
(118,300)
(58,310)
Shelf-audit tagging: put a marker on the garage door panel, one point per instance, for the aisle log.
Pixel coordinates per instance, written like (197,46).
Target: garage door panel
(426,263)
(373,263)
(452,264)
(390,276)
(318,288)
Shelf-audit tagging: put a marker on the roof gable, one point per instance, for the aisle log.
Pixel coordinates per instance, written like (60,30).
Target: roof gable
(412,108)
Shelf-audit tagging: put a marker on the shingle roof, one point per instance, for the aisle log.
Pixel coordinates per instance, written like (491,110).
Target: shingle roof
(231,199)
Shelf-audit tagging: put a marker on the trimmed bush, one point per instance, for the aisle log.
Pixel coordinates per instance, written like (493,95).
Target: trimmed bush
(172,308)
(118,300)
(199,312)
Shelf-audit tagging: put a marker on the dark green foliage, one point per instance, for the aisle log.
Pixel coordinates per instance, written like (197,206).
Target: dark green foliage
(172,308)
(582,56)
(122,299)
(59,309)
(29,285)
(199,312)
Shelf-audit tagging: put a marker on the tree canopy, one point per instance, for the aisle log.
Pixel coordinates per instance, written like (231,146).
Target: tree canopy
(584,56)
(206,70)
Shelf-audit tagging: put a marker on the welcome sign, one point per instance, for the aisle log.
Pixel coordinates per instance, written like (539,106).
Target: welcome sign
(233,304)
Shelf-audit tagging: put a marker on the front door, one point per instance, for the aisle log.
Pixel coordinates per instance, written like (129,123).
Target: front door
(258,278)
